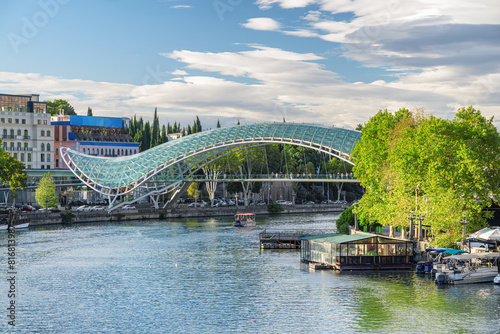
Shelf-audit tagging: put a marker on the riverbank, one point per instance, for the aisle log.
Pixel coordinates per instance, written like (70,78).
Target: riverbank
(43,218)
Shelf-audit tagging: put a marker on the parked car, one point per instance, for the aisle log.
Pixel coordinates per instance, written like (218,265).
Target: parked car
(281,202)
(197,204)
(27,208)
(128,207)
(83,208)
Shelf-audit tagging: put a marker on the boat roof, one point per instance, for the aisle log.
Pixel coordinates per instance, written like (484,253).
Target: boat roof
(244,214)
(467,257)
(343,238)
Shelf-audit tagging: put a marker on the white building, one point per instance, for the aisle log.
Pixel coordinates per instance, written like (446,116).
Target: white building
(26,131)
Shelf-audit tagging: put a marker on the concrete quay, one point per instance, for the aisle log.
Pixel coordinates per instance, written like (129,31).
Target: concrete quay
(72,216)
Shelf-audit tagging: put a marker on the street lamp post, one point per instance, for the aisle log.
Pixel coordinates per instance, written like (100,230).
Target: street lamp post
(464,222)
(420,218)
(411,216)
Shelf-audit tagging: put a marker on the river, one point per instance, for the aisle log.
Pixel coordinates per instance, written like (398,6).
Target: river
(204,276)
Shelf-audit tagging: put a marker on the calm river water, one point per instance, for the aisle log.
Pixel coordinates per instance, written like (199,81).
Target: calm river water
(204,276)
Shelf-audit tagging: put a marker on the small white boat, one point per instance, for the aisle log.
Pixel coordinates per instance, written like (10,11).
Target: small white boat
(5,227)
(467,268)
(244,220)
(496,280)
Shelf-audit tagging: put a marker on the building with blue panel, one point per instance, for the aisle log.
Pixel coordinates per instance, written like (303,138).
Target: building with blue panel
(92,135)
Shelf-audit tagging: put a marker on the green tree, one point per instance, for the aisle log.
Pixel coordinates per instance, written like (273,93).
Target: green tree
(155,131)
(218,124)
(46,191)
(89,112)
(163,138)
(53,107)
(194,191)
(11,171)
(440,168)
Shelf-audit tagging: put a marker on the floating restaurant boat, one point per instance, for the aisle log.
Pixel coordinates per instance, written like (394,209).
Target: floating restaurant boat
(467,269)
(244,220)
(360,251)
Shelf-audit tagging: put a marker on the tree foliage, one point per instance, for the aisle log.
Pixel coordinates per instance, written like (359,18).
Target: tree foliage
(194,190)
(53,107)
(408,161)
(46,191)
(11,170)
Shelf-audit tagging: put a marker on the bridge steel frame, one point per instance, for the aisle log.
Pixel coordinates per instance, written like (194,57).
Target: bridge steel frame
(164,168)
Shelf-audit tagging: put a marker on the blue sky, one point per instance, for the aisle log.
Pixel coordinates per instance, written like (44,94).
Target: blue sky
(332,62)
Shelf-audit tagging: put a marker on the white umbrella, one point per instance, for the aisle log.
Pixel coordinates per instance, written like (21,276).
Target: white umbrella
(487,233)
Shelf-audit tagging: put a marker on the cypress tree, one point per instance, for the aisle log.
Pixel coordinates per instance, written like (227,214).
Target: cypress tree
(89,111)
(218,124)
(155,131)
(198,125)
(163,135)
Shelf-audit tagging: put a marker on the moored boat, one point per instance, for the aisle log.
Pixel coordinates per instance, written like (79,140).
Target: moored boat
(244,220)
(467,268)
(17,222)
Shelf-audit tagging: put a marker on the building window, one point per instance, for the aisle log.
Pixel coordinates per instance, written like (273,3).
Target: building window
(26,134)
(17,120)
(3,120)
(39,122)
(10,120)
(93,151)
(48,133)
(48,166)
(83,150)
(29,166)
(5,132)
(42,157)
(48,147)
(48,159)
(57,151)
(12,144)
(44,122)
(19,145)
(15,156)
(102,151)
(22,157)
(23,121)
(29,158)
(57,163)
(12,132)
(43,166)
(18,132)
(43,133)
(43,147)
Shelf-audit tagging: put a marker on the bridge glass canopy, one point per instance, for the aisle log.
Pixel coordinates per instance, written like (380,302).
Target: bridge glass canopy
(127,170)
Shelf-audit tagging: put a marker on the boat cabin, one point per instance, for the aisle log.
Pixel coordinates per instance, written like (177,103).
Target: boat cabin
(244,219)
(357,251)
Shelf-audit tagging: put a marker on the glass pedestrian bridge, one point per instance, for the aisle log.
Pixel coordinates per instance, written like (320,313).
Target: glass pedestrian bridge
(164,167)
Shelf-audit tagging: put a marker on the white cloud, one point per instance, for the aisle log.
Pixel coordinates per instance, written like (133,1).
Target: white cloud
(180,72)
(181,6)
(262,23)
(264,84)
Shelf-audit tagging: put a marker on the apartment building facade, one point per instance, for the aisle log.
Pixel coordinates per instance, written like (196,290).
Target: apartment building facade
(26,131)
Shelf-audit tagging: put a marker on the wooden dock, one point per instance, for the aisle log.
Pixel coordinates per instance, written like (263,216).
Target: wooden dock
(286,239)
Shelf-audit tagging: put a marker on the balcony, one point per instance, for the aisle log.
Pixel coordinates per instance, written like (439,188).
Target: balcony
(9,137)
(26,137)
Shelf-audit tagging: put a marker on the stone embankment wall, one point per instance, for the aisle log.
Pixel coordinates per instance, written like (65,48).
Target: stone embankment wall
(43,218)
